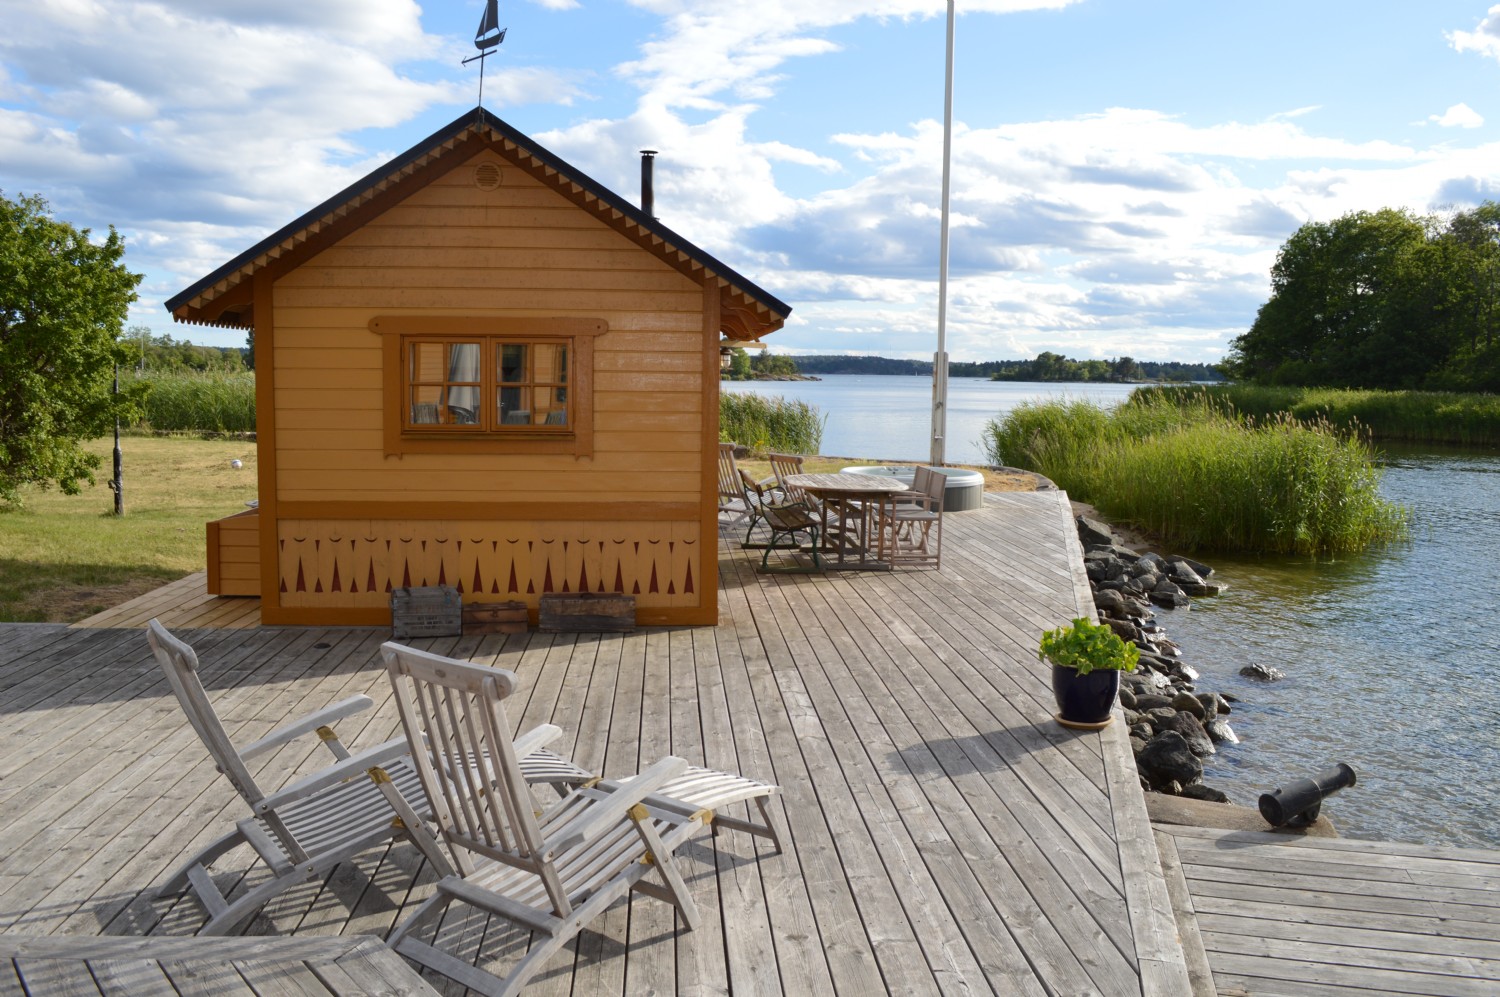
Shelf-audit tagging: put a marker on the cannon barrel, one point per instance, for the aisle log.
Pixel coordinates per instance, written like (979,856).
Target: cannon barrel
(1298,802)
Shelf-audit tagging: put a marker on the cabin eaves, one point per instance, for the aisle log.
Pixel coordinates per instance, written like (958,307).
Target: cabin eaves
(224,297)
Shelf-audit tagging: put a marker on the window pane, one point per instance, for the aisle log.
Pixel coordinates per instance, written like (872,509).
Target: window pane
(427,362)
(550,406)
(550,363)
(463,362)
(512,359)
(426,401)
(512,402)
(463,405)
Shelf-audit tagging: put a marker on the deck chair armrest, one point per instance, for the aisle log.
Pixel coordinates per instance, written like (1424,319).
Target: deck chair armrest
(307,725)
(606,813)
(536,739)
(353,767)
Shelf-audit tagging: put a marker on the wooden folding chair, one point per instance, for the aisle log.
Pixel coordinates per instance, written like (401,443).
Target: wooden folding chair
(550,872)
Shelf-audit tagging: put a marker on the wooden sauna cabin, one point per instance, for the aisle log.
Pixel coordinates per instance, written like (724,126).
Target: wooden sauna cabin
(478,367)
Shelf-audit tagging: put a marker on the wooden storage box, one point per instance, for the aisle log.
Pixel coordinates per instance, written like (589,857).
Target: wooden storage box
(435,611)
(495,618)
(583,612)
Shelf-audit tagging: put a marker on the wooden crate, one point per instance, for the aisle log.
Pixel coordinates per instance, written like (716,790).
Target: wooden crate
(495,617)
(583,612)
(434,611)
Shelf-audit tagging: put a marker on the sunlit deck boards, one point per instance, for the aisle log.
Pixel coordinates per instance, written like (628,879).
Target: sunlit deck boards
(183,603)
(945,835)
(1280,915)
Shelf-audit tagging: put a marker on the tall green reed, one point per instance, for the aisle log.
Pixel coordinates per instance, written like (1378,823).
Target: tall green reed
(1202,476)
(209,401)
(770,424)
(1445,417)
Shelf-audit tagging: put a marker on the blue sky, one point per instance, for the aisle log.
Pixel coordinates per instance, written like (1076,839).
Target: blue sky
(1124,170)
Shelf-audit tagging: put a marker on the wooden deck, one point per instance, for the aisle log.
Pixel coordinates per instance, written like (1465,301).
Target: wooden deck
(1271,914)
(946,836)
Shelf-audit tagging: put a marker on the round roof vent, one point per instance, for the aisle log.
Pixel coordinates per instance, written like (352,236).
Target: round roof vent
(487,176)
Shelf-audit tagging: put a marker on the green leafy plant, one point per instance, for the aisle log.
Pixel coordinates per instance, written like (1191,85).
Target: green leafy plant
(1087,647)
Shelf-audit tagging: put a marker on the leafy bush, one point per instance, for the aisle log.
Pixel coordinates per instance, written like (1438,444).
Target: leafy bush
(770,424)
(1087,647)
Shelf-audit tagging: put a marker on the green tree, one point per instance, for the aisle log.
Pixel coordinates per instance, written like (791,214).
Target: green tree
(739,364)
(1126,369)
(773,364)
(63,301)
(1344,307)
(1382,299)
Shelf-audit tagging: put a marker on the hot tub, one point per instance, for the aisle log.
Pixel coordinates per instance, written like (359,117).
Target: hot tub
(964,491)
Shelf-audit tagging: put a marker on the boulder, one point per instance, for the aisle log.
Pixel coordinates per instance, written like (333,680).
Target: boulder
(1147,701)
(1169,596)
(1092,531)
(1182,574)
(1160,717)
(1166,759)
(1262,673)
(1127,702)
(1126,630)
(1186,702)
(1110,603)
(1199,568)
(1187,725)
(1220,732)
(1213,704)
(1198,791)
(1152,562)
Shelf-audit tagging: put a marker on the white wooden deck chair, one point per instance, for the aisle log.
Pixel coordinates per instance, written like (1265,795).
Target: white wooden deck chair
(307,827)
(913,524)
(550,872)
(734,506)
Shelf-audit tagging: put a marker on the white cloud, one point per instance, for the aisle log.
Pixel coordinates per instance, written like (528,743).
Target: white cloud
(1459,116)
(1484,39)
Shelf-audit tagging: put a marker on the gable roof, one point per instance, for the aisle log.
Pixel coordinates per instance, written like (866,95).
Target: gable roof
(223,298)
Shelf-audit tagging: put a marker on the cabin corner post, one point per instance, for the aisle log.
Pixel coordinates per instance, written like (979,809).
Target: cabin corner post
(265,445)
(709,516)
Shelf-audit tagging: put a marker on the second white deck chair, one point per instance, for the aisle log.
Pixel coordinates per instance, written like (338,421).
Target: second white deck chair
(734,507)
(305,828)
(550,872)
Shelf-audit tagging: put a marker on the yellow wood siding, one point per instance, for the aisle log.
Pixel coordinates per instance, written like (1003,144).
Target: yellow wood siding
(234,555)
(522,249)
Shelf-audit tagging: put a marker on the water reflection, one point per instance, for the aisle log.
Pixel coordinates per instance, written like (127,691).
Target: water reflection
(1391,663)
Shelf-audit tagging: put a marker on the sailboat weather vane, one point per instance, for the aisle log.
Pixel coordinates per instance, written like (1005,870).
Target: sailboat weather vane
(487,39)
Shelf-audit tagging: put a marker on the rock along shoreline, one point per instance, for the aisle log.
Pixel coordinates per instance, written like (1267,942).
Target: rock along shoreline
(1173,725)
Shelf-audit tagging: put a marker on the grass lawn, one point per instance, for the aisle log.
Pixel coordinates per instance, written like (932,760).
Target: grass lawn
(65,557)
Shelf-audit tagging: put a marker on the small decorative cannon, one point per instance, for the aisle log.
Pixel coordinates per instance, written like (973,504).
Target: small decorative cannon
(1297,803)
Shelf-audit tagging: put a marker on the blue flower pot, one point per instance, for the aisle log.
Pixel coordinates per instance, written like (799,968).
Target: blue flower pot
(1084,700)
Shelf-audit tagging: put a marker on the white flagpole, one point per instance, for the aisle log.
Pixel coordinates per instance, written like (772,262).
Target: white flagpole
(940,358)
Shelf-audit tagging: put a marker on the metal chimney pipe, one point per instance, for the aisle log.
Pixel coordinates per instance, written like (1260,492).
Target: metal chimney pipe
(648,185)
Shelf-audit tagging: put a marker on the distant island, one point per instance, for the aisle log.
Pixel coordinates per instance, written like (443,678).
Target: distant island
(1046,367)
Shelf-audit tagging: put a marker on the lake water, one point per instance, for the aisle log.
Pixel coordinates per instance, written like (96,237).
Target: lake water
(890,418)
(1392,657)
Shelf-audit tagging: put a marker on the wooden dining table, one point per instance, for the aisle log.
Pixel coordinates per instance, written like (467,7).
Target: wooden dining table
(857,502)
